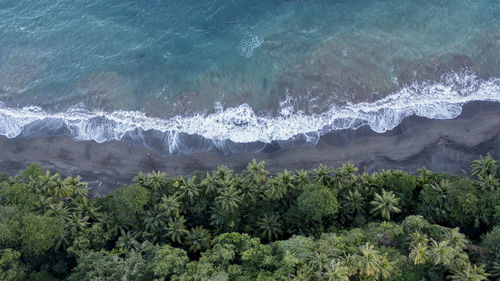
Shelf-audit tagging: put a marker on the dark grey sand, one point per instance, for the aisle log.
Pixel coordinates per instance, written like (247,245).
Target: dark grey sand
(440,145)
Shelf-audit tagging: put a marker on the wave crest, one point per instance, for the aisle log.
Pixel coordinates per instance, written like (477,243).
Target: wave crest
(238,129)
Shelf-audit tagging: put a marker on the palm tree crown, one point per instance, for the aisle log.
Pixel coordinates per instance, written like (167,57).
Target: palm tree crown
(384,205)
(198,239)
(229,199)
(269,227)
(484,166)
(176,229)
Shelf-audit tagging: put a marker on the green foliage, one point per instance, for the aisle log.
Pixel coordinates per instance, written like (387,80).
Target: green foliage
(402,185)
(269,227)
(128,203)
(10,226)
(111,266)
(176,230)
(463,203)
(39,233)
(131,199)
(384,205)
(198,239)
(491,243)
(168,262)
(325,224)
(491,246)
(316,202)
(484,166)
(469,273)
(32,172)
(19,195)
(11,267)
(42,276)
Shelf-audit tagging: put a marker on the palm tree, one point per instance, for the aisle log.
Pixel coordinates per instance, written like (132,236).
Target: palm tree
(59,211)
(269,227)
(322,175)
(286,179)
(156,180)
(469,273)
(43,203)
(198,239)
(223,221)
(418,238)
(303,274)
(434,197)
(419,253)
(211,185)
(369,261)
(78,223)
(126,241)
(488,183)
(423,176)
(80,192)
(440,253)
(319,261)
(455,239)
(484,166)
(188,188)
(354,203)
(248,190)
(46,183)
(345,175)
(385,205)
(140,179)
(114,226)
(336,271)
(386,267)
(75,183)
(458,259)
(63,241)
(387,173)
(351,262)
(256,173)
(86,208)
(274,189)
(300,178)
(368,182)
(176,230)
(229,199)
(223,173)
(494,269)
(441,189)
(170,205)
(62,190)
(154,220)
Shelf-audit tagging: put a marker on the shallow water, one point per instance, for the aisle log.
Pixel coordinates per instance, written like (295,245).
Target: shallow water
(243,71)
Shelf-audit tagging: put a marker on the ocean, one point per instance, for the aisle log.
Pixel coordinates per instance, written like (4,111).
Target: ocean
(239,76)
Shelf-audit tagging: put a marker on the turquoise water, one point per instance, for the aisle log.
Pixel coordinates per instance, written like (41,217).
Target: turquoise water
(235,69)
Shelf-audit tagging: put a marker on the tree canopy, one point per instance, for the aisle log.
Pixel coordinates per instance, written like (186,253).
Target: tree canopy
(323,224)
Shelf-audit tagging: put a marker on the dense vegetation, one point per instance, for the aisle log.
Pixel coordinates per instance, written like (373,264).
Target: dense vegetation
(325,224)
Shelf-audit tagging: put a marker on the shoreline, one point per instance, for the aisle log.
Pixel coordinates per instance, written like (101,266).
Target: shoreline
(440,145)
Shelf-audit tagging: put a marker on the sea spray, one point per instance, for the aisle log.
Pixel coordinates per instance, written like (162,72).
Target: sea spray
(237,129)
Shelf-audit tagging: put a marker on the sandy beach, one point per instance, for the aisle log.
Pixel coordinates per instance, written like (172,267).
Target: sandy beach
(440,145)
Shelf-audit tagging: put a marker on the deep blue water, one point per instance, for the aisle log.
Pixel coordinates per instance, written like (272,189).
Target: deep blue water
(242,70)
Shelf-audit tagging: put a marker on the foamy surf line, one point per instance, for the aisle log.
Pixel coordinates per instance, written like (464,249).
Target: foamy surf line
(239,129)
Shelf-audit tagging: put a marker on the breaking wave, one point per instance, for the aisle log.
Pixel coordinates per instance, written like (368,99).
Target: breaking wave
(239,129)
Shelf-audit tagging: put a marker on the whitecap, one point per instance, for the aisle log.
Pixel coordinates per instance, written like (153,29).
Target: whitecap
(241,125)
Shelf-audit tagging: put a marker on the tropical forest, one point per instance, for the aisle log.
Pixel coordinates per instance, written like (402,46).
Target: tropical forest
(322,224)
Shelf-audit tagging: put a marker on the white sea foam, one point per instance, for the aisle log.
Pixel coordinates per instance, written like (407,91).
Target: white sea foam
(249,43)
(241,124)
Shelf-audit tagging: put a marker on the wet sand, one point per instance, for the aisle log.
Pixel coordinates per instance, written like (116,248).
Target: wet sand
(440,145)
